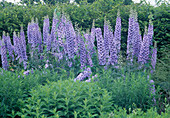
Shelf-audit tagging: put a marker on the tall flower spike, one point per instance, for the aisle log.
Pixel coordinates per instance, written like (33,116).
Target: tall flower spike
(130,37)
(100,47)
(150,31)
(136,37)
(23,44)
(82,51)
(70,40)
(93,32)
(144,51)
(106,39)
(53,33)
(4,56)
(154,57)
(117,33)
(10,46)
(46,29)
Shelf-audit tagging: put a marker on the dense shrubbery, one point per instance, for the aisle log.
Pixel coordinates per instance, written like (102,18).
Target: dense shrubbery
(41,94)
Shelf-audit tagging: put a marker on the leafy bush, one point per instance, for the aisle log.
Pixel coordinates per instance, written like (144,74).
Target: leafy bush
(14,86)
(127,86)
(66,99)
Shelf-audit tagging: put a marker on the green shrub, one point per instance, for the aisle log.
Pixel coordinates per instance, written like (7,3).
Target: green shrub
(66,99)
(14,86)
(127,87)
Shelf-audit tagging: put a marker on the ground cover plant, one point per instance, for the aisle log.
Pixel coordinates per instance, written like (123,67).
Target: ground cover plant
(62,71)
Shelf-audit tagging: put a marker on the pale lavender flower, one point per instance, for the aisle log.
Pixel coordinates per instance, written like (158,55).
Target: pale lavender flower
(53,34)
(26,72)
(93,32)
(61,33)
(70,40)
(113,50)
(150,32)
(106,37)
(130,38)
(117,33)
(82,51)
(4,56)
(86,73)
(10,46)
(154,57)
(46,65)
(100,47)
(89,60)
(152,89)
(144,51)
(46,29)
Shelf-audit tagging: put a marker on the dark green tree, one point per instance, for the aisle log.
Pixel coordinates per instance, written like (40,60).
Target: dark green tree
(127,2)
(89,1)
(55,1)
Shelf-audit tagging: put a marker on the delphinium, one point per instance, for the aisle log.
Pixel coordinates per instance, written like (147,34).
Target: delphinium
(82,51)
(154,57)
(117,33)
(46,29)
(137,40)
(10,47)
(89,48)
(70,40)
(93,32)
(22,46)
(54,40)
(144,50)
(86,73)
(106,37)
(130,37)
(61,30)
(100,47)
(4,60)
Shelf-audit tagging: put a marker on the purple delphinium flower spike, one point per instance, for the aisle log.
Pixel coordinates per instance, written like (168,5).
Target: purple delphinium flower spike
(82,51)
(90,44)
(93,32)
(106,37)
(69,40)
(150,32)
(46,29)
(86,73)
(130,37)
(152,89)
(40,47)
(137,40)
(117,33)
(113,51)
(23,44)
(4,56)
(53,34)
(61,33)
(10,46)
(15,43)
(144,51)
(89,60)
(100,47)
(154,57)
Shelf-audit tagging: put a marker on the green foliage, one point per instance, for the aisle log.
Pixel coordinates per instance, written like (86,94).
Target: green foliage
(130,86)
(66,99)
(14,86)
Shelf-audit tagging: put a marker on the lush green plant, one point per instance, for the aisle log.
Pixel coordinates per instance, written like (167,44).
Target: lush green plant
(14,86)
(66,99)
(127,86)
